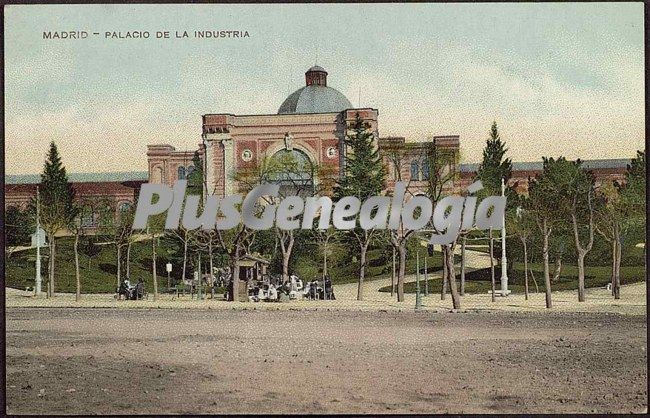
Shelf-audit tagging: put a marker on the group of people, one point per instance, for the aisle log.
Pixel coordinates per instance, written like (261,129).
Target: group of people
(314,291)
(131,292)
(293,288)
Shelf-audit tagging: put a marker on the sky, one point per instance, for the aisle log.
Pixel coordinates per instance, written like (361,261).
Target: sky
(559,79)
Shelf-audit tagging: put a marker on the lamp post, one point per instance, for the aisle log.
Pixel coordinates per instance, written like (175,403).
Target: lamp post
(504,260)
(426,277)
(418,301)
(38,243)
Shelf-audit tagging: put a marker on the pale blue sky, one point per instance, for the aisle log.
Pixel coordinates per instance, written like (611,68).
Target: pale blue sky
(560,79)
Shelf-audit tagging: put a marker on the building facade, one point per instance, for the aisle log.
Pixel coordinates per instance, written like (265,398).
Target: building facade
(310,125)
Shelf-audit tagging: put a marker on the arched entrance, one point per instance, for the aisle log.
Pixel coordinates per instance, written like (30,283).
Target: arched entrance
(294,171)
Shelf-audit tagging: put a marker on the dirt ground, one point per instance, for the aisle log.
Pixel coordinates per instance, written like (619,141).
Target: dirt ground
(123,361)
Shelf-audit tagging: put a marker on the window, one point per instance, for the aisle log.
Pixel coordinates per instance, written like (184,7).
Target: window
(124,207)
(425,170)
(415,170)
(181,173)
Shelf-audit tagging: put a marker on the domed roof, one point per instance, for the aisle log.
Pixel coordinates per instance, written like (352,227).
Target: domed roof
(315,99)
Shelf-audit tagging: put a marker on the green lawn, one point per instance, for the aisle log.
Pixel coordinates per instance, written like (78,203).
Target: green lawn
(479,281)
(98,274)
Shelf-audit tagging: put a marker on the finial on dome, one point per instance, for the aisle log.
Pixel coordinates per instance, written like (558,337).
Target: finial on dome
(316,76)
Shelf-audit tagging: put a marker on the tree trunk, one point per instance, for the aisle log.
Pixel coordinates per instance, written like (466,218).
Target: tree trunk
(211,262)
(362,270)
(451,276)
(558,267)
(128,260)
(76,266)
(547,275)
(184,259)
(402,272)
(523,241)
(494,285)
(325,262)
(614,266)
(153,267)
(119,266)
(445,273)
(462,265)
(392,275)
(581,276)
(286,254)
(235,279)
(617,275)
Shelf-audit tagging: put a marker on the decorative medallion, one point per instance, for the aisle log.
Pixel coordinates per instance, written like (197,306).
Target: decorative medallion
(330,152)
(247,155)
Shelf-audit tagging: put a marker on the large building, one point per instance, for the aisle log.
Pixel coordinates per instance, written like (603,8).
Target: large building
(310,125)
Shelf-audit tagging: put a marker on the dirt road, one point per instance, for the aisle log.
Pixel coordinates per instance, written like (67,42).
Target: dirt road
(87,361)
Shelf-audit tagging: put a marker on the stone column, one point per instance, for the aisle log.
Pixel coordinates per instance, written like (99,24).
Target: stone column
(219,162)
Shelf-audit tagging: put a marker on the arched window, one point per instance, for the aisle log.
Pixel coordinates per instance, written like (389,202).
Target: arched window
(181,173)
(190,170)
(425,170)
(293,170)
(415,170)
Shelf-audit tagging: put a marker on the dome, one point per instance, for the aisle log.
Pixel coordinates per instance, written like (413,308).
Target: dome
(315,97)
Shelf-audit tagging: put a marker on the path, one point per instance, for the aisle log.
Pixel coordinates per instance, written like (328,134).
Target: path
(475,260)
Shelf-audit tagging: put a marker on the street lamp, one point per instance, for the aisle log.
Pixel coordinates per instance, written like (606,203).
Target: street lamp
(418,300)
(38,243)
(504,260)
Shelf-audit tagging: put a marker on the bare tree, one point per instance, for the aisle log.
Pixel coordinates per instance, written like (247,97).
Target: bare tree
(117,224)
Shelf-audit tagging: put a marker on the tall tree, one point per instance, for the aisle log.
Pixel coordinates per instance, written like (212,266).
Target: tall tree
(494,165)
(493,168)
(581,209)
(57,209)
(363,177)
(622,208)
(78,227)
(545,203)
(438,165)
(522,225)
(195,186)
(117,224)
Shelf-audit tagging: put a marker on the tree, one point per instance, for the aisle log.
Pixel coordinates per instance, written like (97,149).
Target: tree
(56,205)
(493,169)
(195,186)
(546,196)
(439,163)
(494,166)
(117,224)
(399,237)
(363,177)
(581,201)
(522,225)
(78,227)
(621,208)
(608,223)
